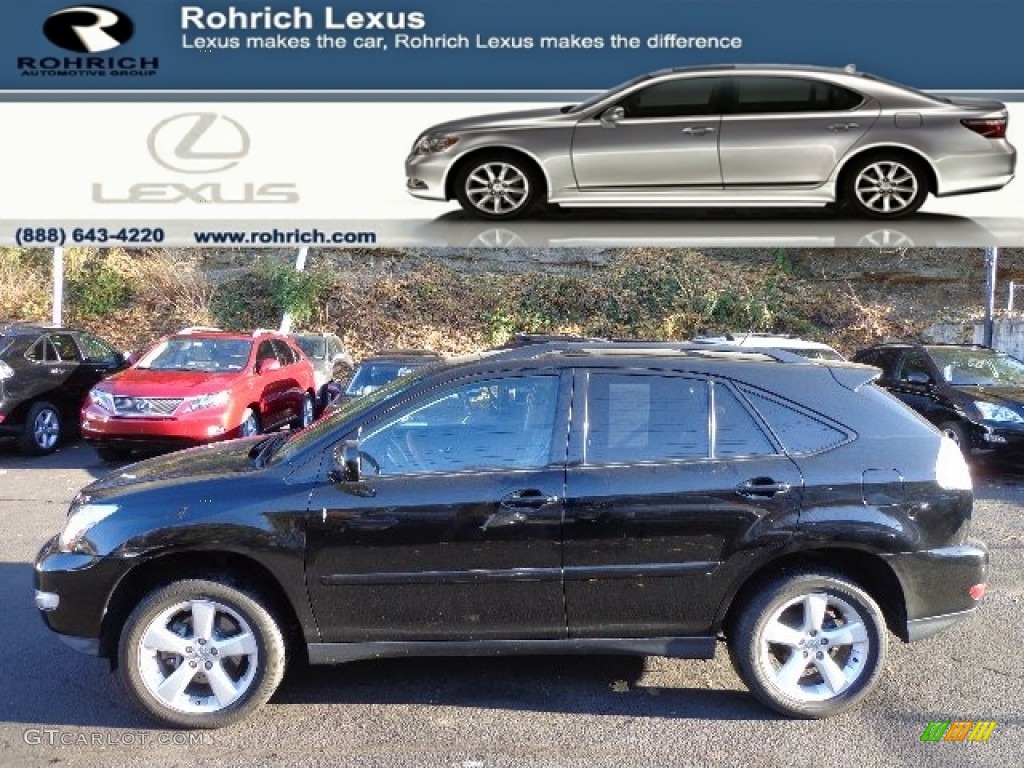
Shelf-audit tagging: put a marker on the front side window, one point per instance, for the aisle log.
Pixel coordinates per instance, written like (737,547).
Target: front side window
(646,418)
(682,97)
(95,350)
(497,424)
(915,368)
(766,95)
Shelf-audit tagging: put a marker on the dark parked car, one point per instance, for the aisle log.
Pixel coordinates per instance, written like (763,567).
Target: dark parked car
(375,371)
(974,394)
(45,374)
(331,361)
(552,498)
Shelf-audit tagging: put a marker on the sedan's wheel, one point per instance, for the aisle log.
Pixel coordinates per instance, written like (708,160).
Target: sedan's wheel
(499,186)
(809,645)
(885,187)
(250,424)
(200,654)
(41,432)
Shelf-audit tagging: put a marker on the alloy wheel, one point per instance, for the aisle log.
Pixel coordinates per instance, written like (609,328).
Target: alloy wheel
(307,411)
(198,656)
(814,647)
(46,429)
(497,188)
(886,187)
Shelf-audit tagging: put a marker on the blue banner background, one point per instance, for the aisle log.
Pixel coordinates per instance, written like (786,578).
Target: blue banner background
(965,45)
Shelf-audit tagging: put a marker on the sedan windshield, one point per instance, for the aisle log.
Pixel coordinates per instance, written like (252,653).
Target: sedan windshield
(197,354)
(977,367)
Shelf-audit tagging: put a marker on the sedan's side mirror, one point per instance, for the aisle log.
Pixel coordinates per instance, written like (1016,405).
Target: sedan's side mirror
(346,463)
(613,117)
(920,378)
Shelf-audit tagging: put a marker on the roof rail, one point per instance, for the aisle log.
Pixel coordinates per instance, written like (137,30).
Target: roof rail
(262,332)
(199,329)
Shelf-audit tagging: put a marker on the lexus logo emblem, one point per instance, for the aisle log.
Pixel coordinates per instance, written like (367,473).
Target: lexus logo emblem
(88,28)
(198,142)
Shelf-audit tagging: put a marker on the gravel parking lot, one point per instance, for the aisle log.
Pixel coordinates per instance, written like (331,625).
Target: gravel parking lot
(58,707)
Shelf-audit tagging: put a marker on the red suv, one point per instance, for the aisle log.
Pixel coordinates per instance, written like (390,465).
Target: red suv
(198,386)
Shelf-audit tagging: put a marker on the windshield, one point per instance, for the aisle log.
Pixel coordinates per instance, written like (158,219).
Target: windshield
(595,100)
(977,367)
(372,376)
(315,347)
(332,420)
(197,354)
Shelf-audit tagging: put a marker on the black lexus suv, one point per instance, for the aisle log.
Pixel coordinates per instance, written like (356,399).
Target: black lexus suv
(552,498)
(45,374)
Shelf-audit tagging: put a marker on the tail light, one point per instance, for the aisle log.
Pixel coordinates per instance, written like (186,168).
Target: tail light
(977,591)
(990,128)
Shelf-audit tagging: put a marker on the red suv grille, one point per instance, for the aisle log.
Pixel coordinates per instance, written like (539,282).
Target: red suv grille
(990,128)
(146,406)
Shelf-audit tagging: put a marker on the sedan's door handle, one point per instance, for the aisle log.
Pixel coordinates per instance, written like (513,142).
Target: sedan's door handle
(842,126)
(698,131)
(527,499)
(761,487)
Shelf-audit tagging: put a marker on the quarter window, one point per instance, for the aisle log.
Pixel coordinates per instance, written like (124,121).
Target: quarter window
(762,95)
(42,352)
(798,431)
(682,97)
(633,418)
(500,424)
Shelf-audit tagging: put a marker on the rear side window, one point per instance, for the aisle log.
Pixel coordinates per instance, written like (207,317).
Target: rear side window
(765,95)
(797,430)
(737,432)
(66,347)
(635,418)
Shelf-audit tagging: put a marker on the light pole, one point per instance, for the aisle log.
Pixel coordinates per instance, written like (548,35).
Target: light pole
(300,264)
(58,287)
(991,263)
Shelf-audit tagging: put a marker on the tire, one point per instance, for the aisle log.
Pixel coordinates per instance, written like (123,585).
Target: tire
(956,432)
(41,433)
(113,453)
(519,187)
(307,414)
(159,641)
(884,185)
(772,637)
(250,424)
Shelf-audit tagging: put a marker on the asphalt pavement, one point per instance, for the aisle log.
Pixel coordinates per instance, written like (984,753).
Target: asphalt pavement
(61,708)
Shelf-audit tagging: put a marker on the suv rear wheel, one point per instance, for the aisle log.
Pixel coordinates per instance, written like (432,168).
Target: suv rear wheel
(41,433)
(200,654)
(809,645)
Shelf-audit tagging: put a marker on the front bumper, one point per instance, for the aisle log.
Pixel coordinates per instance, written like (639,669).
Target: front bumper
(426,175)
(196,428)
(937,585)
(76,589)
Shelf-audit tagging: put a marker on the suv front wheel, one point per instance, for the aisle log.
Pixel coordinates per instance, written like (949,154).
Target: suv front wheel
(200,654)
(809,645)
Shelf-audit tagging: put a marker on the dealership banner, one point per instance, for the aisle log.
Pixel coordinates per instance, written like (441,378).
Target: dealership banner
(178,122)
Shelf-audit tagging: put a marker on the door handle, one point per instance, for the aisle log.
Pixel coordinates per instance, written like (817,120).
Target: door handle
(842,126)
(530,498)
(761,488)
(698,131)
(371,523)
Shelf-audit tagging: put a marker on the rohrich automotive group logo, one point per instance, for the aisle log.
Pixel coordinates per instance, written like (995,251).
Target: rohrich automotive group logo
(88,30)
(198,143)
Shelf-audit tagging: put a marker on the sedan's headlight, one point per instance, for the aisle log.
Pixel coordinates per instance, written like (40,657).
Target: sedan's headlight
(103,399)
(6,372)
(432,143)
(993,412)
(951,470)
(215,400)
(79,521)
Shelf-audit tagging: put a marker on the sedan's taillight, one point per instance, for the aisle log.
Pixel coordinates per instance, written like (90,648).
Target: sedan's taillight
(990,128)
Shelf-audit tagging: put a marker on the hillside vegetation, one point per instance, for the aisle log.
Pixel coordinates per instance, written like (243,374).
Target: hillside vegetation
(458,301)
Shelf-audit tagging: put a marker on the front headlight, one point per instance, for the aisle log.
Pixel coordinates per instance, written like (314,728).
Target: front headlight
(217,399)
(432,143)
(103,399)
(993,412)
(6,372)
(79,521)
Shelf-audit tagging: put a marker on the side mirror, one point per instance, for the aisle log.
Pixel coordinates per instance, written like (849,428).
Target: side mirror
(920,378)
(612,117)
(267,366)
(346,463)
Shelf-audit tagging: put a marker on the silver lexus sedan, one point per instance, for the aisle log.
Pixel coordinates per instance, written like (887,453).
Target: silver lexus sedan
(732,136)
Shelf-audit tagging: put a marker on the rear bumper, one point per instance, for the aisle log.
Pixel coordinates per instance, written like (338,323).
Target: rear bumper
(936,586)
(976,171)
